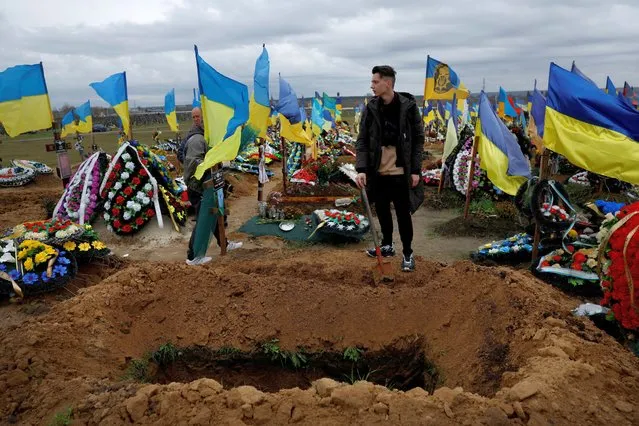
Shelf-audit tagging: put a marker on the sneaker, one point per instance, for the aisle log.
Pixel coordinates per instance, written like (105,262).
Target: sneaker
(198,261)
(408,263)
(233,245)
(387,251)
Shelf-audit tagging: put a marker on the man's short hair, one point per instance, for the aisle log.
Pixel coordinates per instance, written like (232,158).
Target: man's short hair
(385,71)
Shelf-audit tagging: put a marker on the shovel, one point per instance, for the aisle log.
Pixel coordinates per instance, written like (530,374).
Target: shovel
(383,271)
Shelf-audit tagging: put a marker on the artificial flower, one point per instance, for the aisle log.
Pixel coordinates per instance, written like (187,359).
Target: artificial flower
(28,264)
(98,245)
(84,247)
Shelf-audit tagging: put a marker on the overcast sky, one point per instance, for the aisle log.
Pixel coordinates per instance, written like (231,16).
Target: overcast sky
(325,46)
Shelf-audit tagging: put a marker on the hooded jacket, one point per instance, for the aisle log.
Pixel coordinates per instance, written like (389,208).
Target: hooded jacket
(409,147)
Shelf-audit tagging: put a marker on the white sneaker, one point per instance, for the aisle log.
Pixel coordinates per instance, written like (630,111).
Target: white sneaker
(234,245)
(198,261)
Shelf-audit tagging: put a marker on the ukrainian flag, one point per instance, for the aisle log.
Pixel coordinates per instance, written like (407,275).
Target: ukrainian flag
(429,113)
(290,116)
(68,124)
(113,90)
(610,88)
(196,99)
(330,105)
(259,105)
(500,155)
(225,108)
(505,107)
(442,82)
(317,118)
(24,100)
(577,71)
(169,111)
(85,124)
(338,108)
(594,131)
(538,112)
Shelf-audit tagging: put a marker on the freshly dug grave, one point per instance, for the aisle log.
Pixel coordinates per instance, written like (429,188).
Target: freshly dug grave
(505,346)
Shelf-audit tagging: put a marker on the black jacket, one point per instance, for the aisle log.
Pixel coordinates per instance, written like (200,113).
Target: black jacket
(369,146)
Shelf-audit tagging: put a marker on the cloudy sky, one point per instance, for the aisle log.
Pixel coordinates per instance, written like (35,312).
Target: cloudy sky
(325,46)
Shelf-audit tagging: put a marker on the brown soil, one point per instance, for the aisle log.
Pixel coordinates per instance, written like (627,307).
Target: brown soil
(480,227)
(503,345)
(505,338)
(28,202)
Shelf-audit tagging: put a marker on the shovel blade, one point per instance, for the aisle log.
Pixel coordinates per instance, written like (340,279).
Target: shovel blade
(383,272)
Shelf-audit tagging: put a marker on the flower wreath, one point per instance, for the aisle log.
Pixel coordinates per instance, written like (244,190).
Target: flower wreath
(131,192)
(157,167)
(341,222)
(53,231)
(619,260)
(34,267)
(88,246)
(517,248)
(81,199)
(37,167)
(16,176)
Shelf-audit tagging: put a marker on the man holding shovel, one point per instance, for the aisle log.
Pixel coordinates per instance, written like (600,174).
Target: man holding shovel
(389,156)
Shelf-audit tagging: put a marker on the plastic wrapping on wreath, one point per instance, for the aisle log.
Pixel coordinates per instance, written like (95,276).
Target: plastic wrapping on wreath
(566,271)
(37,167)
(589,309)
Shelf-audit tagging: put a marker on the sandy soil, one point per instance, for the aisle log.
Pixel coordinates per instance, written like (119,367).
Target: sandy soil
(504,345)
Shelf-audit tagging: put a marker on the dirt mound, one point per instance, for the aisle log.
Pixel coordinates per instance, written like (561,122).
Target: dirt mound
(29,202)
(504,345)
(480,227)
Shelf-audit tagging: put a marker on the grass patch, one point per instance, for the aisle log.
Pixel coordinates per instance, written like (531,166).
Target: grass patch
(62,418)
(138,371)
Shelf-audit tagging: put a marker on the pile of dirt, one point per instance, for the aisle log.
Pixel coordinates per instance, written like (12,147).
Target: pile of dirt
(479,227)
(29,202)
(505,346)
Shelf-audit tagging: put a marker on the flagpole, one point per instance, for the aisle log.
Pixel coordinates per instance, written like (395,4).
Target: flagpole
(284,174)
(471,173)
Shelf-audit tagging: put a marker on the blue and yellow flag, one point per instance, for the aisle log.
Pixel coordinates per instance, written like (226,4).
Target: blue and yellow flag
(317,117)
(113,90)
(303,111)
(225,108)
(338,108)
(442,82)
(429,113)
(504,106)
(593,130)
(196,99)
(538,112)
(259,104)
(578,72)
(290,116)
(330,105)
(85,122)
(169,111)
(24,100)
(610,88)
(453,112)
(68,124)
(499,152)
